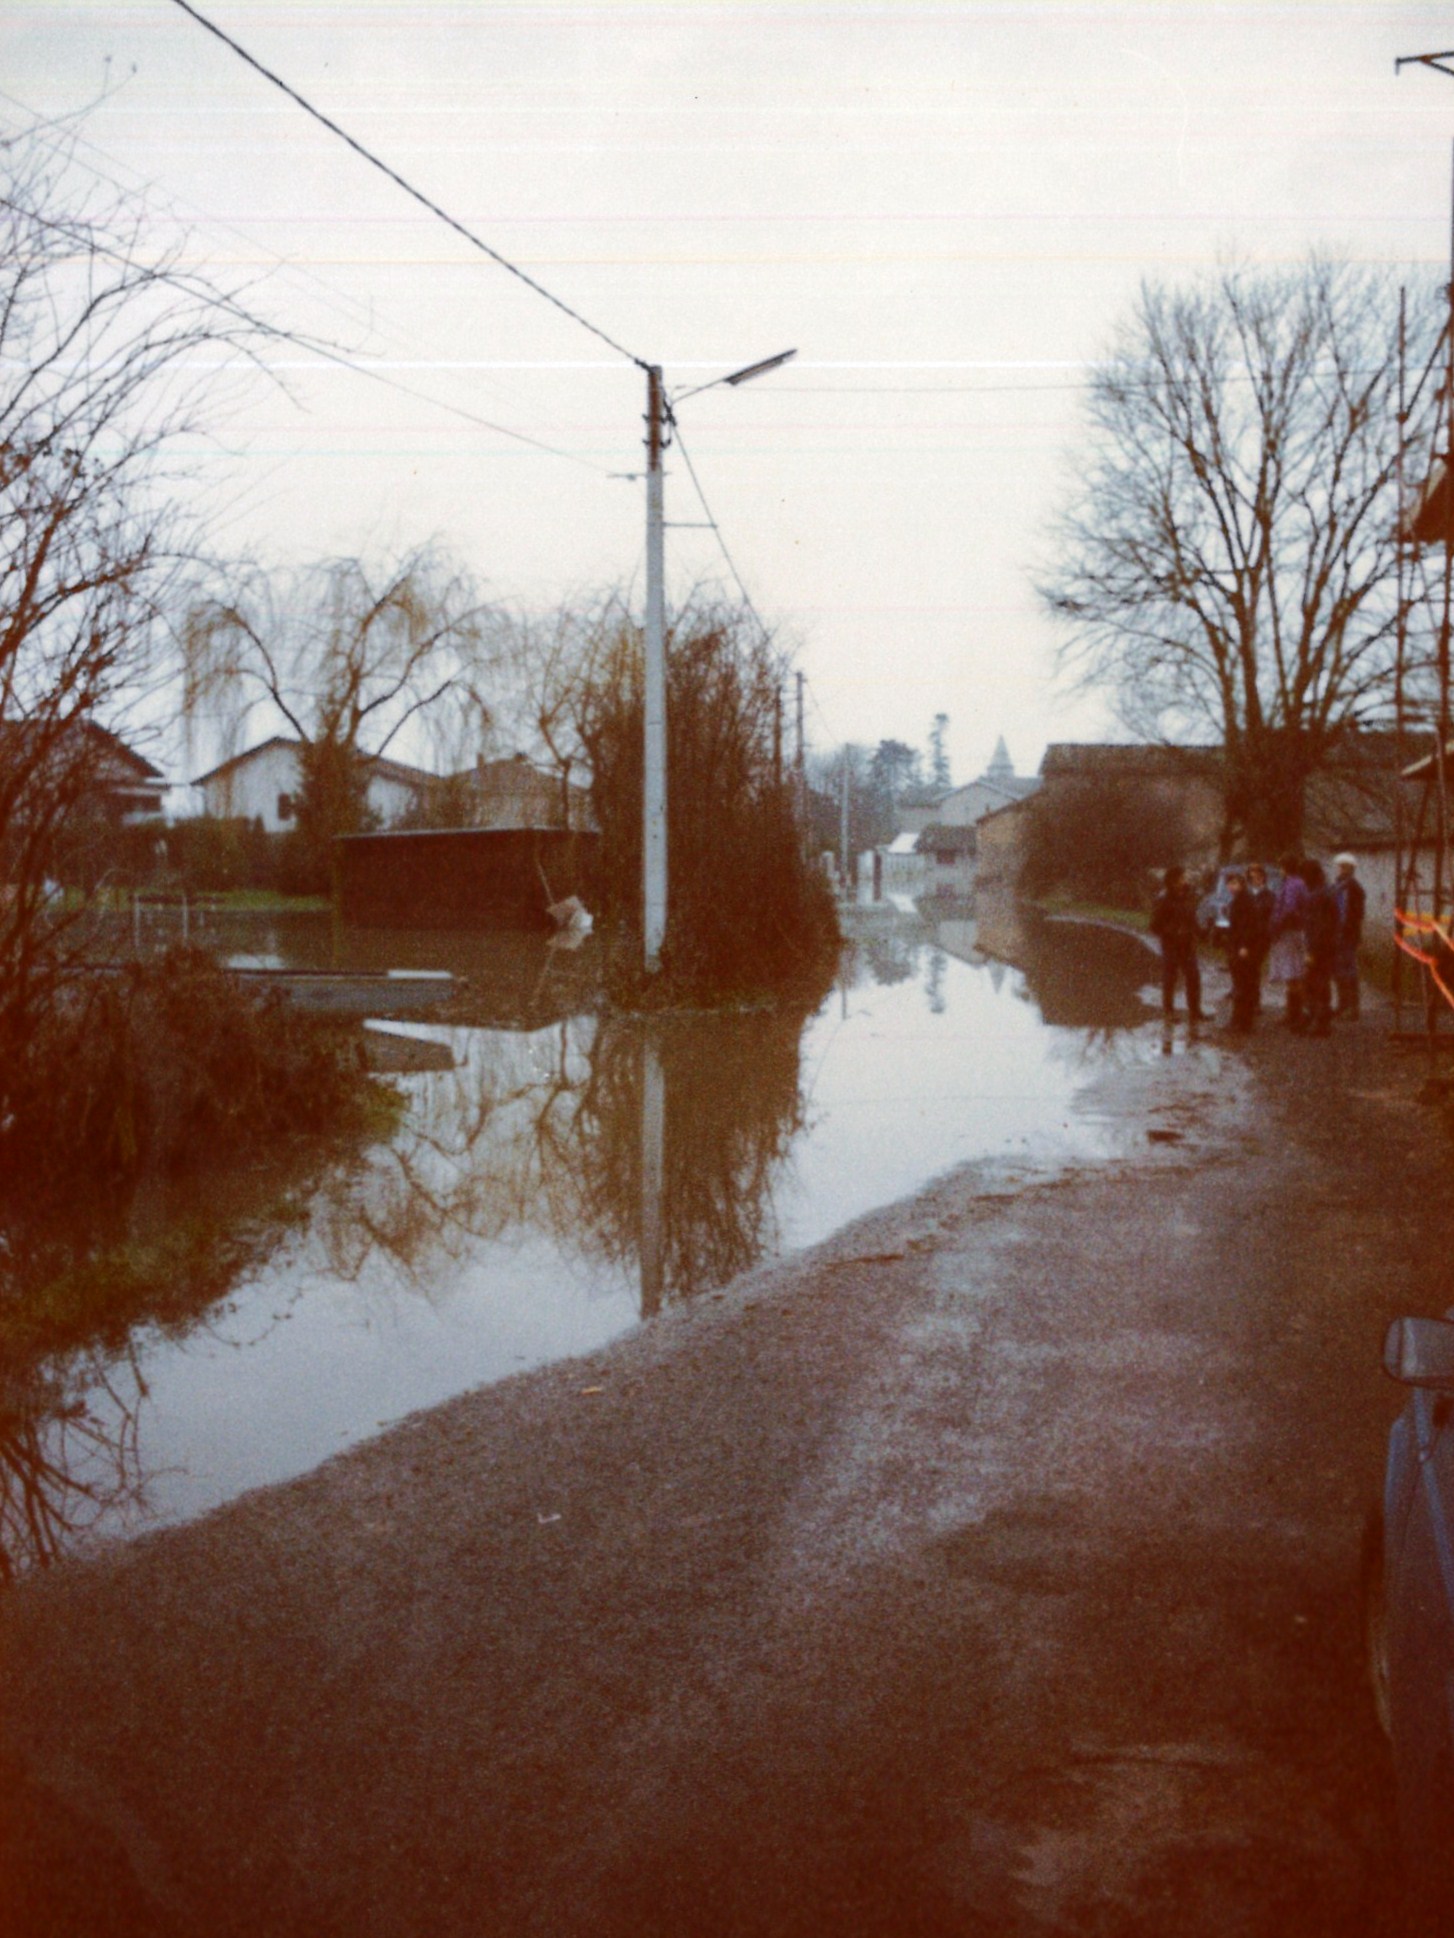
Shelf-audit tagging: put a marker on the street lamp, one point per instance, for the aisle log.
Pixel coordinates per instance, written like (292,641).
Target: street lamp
(653,844)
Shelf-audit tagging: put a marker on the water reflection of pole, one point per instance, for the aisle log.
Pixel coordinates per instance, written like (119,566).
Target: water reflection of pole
(653,1165)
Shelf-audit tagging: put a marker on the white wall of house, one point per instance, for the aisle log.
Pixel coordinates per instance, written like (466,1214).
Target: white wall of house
(968,805)
(1376,872)
(388,798)
(260,786)
(263,786)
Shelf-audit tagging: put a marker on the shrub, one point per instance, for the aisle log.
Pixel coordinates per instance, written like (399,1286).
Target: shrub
(155,1071)
(1101,839)
(747,914)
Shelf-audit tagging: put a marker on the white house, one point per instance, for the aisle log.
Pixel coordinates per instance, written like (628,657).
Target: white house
(263,785)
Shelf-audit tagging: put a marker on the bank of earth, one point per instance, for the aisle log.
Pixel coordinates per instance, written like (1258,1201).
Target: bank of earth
(992,1568)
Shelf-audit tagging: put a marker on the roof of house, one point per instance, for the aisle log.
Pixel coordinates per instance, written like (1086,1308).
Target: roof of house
(923,797)
(118,749)
(379,764)
(397,770)
(108,744)
(946,840)
(511,771)
(241,760)
(1010,807)
(1085,760)
(1006,787)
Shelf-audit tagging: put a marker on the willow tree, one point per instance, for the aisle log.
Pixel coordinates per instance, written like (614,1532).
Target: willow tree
(1225,569)
(344,655)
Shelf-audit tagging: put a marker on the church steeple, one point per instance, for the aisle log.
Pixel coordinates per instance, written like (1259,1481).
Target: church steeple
(1001,767)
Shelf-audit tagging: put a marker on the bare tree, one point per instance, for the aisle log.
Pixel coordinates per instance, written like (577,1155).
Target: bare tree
(552,661)
(1227,566)
(345,657)
(100,335)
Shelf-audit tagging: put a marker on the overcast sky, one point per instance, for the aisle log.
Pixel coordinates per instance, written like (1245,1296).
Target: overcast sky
(944,209)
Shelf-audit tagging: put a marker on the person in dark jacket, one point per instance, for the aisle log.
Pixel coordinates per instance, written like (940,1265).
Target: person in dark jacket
(1246,946)
(1320,932)
(1349,895)
(1174,924)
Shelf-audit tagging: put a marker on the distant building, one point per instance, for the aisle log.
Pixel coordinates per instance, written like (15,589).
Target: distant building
(942,823)
(1349,805)
(904,865)
(1001,841)
(263,785)
(1181,784)
(964,807)
(515,793)
(950,852)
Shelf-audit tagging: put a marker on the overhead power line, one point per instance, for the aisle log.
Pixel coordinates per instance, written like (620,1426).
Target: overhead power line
(717,529)
(375,161)
(314,346)
(457,410)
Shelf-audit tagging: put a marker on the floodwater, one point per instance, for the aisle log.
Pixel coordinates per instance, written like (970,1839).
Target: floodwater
(567,1177)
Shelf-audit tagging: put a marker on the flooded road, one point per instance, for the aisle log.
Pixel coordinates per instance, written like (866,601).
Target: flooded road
(569,1175)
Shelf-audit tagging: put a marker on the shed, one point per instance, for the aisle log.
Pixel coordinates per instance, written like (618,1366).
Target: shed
(463,878)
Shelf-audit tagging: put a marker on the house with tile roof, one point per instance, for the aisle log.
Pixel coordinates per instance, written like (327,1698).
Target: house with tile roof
(264,782)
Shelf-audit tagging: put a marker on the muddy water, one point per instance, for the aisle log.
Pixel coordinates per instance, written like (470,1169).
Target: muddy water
(568,1176)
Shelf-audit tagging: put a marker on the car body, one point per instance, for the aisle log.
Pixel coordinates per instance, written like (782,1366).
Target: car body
(1409,1612)
(1212,908)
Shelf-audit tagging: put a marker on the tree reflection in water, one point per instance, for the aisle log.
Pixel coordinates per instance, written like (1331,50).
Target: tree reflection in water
(1079,975)
(486,1148)
(651,1145)
(62,1466)
(685,1186)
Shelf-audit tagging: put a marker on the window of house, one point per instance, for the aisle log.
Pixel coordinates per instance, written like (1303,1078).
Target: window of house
(285,807)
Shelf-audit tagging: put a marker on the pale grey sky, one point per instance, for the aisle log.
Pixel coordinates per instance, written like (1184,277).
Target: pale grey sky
(944,208)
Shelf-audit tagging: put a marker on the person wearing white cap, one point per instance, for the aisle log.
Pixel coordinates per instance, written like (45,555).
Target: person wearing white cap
(1349,895)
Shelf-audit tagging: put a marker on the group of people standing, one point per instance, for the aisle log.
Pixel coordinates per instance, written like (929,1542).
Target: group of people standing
(1305,934)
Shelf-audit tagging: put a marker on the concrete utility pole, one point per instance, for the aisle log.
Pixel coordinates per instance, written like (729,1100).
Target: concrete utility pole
(653,830)
(653,842)
(843,816)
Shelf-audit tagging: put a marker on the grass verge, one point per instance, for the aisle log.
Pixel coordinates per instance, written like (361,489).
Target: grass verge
(1138,919)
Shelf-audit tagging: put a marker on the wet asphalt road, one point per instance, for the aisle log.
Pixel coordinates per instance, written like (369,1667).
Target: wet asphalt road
(993,1569)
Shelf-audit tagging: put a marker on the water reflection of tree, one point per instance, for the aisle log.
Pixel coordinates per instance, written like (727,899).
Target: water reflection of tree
(545,1132)
(934,982)
(531,1132)
(484,1149)
(62,1466)
(731,1105)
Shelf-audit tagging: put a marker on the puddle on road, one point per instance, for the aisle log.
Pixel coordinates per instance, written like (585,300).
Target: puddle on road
(568,1177)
